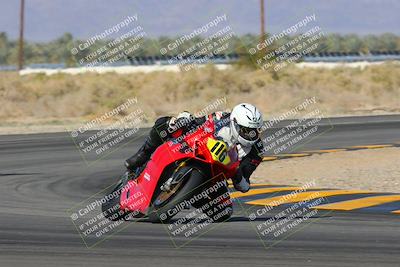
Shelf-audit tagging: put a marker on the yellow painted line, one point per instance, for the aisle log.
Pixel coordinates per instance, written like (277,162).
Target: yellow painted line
(269,158)
(303,196)
(359,203)
(254,185)
(371,146)
(326,150)
(258,191)
(396,211)
(294,155)
(262,184)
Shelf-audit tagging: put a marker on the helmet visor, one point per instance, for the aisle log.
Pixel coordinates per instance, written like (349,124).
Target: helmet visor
(249,134)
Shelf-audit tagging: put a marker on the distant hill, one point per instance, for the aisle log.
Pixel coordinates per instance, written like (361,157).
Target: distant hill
(48,19)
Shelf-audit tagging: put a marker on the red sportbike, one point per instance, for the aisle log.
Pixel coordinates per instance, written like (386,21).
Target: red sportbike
(190,170)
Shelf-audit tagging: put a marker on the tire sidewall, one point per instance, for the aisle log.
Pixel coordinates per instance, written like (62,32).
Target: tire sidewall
(192,185)
(114,215)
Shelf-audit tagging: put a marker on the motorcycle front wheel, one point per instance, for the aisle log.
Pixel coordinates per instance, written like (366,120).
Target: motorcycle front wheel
(167,204)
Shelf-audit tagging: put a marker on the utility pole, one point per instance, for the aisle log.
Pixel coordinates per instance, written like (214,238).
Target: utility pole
(21,36)
(262,21)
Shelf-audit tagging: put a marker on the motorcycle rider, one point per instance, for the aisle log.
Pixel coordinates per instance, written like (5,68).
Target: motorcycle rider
(240,128)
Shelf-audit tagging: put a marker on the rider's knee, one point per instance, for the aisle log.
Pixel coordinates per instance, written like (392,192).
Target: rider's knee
(159,132)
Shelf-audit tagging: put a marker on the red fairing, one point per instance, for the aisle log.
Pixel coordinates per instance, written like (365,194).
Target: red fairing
(136,195)
(177,133)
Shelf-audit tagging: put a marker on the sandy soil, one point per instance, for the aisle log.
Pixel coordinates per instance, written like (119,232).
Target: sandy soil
(338,91)
(372,169)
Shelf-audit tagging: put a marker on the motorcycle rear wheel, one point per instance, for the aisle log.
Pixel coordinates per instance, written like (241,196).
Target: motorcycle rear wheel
(111,208)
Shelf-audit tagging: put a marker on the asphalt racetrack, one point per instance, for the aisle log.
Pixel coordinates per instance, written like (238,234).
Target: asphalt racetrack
(42,176)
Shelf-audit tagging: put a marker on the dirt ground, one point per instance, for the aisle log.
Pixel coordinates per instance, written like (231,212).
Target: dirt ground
(376,170)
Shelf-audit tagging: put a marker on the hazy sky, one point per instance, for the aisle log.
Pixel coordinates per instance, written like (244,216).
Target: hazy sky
(48,19)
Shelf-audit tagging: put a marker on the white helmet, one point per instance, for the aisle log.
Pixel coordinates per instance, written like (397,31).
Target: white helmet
(246,120)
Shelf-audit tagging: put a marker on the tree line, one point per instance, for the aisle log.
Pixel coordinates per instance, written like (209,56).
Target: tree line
(59,50)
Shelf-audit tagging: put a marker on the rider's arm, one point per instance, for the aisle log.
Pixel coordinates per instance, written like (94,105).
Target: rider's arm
(185,121)
(249,163)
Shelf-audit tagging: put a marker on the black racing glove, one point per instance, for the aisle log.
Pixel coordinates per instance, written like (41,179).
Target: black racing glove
(247,166)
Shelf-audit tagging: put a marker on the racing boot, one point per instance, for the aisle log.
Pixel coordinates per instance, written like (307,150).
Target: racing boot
(241,184)
(142,156)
